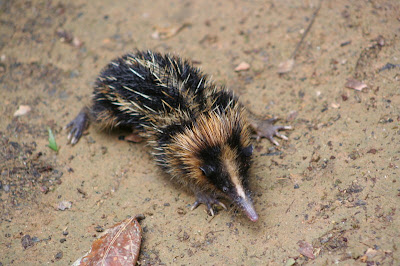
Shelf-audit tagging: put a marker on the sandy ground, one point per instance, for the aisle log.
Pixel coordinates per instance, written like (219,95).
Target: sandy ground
(335,183)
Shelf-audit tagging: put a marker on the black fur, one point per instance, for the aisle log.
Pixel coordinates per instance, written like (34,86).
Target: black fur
(118,74)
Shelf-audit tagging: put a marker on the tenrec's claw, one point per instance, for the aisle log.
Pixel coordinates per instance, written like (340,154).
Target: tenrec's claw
(209,201)
(78,125)
(279,135)
(210,209)
(195,205)
(222,205)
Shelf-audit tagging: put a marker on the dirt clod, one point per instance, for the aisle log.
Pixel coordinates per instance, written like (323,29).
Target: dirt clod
(26,241)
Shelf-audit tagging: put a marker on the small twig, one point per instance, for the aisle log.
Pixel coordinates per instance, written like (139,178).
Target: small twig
(287,210)
(306,31)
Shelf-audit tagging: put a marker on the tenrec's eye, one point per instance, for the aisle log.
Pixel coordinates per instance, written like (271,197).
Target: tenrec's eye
(248,151)
(224,189)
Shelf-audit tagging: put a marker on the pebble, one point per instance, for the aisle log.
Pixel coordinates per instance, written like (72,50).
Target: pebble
(26,241)
(59,255)
(99,229)
(63,205)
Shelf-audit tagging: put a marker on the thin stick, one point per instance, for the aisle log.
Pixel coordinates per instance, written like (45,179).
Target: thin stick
(306,31)
(287,210)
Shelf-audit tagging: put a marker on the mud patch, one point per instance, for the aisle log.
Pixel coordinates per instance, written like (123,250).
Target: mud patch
(25,175)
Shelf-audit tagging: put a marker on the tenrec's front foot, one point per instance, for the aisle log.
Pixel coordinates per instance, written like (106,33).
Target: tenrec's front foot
(78,126)
(208,200)
(267,129)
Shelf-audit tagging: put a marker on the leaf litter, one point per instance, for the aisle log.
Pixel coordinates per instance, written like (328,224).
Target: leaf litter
(355,84)
(118,245)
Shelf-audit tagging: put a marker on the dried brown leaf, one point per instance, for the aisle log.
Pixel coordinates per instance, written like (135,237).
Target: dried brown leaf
(134,138)
(370,253)
(335,105)
(118,245)
(306,249)
(286,66)
(355,84)
(243,66)
(22,110)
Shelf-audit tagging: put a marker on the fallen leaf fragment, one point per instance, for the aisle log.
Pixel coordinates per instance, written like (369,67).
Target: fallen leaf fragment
(290,262)
(52,141)
(306,249)
(134,138)
(335,105)
(22,110)
(286,66)
(364,258)
(162,33)
(355,84)
(63,205)
(370,253)
(242,67)
(118,245)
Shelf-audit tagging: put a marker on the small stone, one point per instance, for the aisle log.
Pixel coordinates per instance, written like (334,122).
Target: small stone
(99,229)
(296,186)
(44,189)
(26,241)
(77,42)
(65,233)
(59,255)
(62,240)
(181,211)
(63,205)
(286,66)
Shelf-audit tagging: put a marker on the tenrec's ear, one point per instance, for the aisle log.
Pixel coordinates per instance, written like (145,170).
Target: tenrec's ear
(207,170)
(248,151)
